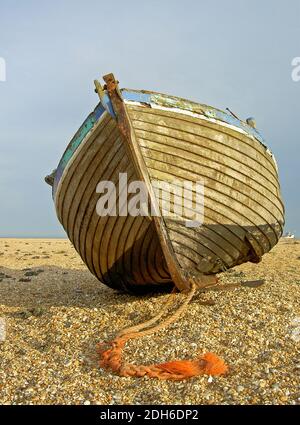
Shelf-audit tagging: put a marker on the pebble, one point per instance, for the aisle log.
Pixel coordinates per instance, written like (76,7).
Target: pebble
(295,334)
(50,358)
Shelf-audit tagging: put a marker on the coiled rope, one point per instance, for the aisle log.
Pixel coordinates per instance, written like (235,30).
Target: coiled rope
(111,352)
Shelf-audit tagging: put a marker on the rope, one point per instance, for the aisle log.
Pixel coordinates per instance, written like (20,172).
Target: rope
(151,321)
(111,352)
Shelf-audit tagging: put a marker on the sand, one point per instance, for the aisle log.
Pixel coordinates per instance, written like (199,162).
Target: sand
(54,313)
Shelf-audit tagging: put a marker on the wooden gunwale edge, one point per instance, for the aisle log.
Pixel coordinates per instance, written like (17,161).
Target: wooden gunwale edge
(75,154)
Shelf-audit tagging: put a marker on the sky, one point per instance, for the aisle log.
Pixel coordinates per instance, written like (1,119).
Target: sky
(235,54)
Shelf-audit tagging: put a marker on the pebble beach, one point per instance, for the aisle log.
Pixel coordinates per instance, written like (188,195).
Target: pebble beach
(53,313)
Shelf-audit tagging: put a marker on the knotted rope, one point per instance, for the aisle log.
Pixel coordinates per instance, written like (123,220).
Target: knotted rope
(111,352)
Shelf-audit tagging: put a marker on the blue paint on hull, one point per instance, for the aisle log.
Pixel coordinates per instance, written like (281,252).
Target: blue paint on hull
(208,111)
(75,143)
(147,98)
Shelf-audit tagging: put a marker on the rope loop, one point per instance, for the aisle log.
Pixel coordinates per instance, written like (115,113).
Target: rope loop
(111,352)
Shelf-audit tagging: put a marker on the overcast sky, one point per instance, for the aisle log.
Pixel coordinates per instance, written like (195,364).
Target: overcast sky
(224,53)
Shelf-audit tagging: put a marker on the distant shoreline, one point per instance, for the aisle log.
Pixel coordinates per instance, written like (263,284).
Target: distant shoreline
(65,237)
(33,237)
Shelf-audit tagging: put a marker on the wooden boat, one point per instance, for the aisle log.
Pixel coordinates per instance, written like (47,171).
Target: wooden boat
(152,136)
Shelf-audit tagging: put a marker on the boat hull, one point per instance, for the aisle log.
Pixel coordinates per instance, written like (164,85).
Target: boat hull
(243,214)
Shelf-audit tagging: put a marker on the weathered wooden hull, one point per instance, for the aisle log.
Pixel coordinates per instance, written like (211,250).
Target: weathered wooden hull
(176,141)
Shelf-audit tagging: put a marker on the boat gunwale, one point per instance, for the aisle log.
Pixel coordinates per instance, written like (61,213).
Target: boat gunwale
(63,166)
(192,107)
(94,117)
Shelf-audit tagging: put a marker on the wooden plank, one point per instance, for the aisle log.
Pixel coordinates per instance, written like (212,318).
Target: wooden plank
(131,143)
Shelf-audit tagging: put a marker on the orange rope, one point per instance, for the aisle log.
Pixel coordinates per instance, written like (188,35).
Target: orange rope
(111,352)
